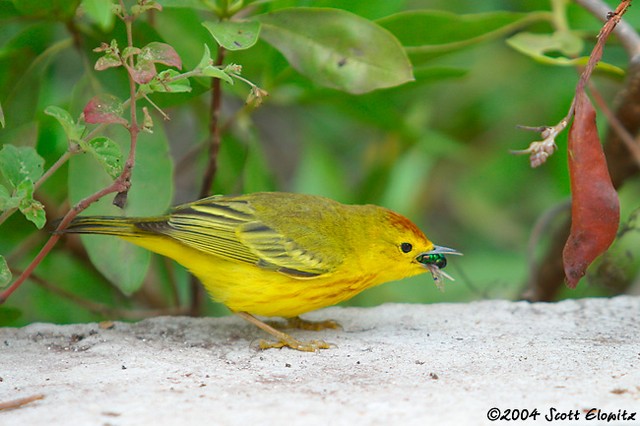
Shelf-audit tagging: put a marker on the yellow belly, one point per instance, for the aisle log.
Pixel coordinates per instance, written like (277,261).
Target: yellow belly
(244,287)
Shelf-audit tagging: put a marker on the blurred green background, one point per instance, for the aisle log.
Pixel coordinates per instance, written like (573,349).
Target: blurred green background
(435,150)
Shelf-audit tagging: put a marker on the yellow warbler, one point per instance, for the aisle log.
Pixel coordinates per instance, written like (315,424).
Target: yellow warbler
(281,254)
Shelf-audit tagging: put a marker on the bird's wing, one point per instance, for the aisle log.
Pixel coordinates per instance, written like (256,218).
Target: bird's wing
(229,229)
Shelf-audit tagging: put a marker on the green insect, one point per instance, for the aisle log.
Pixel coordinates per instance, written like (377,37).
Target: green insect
(433,259)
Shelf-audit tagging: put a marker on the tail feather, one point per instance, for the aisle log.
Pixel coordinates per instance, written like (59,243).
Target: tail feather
(108,225)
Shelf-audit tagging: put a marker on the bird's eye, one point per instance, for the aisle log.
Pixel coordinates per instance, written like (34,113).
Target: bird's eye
(406,247)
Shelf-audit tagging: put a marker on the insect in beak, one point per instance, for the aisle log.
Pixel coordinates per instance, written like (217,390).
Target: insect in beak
(434,260)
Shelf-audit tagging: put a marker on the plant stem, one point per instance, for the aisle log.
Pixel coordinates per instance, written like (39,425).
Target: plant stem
(214,130)
(197,292)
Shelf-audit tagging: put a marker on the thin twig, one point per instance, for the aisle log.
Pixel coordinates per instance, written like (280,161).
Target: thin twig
(627,35)
(17,403)
(116,186)
(121,197)
(615,124)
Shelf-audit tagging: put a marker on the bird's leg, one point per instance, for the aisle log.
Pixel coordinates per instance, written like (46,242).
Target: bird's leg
(302,324)
(283,338)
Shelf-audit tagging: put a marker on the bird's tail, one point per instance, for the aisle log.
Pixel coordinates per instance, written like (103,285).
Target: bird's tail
(107,225)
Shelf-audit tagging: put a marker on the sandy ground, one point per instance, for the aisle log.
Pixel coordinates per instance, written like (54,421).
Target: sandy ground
(394,364)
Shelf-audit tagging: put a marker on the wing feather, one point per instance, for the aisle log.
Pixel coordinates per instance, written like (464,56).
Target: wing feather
(229,228)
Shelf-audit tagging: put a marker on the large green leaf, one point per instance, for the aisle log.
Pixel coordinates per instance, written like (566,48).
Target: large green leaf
(337,49)
(122,263)
(430,33)
(18,164)
(234,35)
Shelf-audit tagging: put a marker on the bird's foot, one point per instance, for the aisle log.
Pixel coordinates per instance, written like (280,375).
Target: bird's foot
(299,345)
(285,340)
(302,324)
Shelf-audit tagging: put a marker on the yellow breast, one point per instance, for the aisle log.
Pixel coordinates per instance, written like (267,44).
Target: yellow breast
(244,287)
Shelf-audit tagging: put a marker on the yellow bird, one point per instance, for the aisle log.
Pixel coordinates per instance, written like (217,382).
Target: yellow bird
(281,254)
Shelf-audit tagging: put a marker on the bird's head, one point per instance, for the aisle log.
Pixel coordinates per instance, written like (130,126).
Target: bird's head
(403,251)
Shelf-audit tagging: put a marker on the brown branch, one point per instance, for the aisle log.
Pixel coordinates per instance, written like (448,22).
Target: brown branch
(214,129)
(121,197)
(627,35)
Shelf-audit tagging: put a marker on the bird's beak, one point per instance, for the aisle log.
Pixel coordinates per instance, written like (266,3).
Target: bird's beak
(443,250)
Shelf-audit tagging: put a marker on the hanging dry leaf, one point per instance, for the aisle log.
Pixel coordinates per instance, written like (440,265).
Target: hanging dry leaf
(595,208)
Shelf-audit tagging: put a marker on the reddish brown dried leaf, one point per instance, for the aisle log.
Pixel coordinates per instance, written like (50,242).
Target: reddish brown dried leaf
(595,208)
(104,109)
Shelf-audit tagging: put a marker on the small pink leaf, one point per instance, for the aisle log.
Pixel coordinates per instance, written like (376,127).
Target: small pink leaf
(104,108)
(161,53)
(144,71)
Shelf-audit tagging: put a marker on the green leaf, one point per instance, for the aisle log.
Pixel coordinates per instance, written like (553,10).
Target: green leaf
(215,72)
(108,153)
(7,201)
(337,49)
(18,164)
(209,70)
(72,129)
(32,209)
(206,58)
(108,60)
(537,45)
(130,51)
(234,35)
(427,34)
(5,272)
(163,83)
(100,12)
(2,123)
(121,262)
